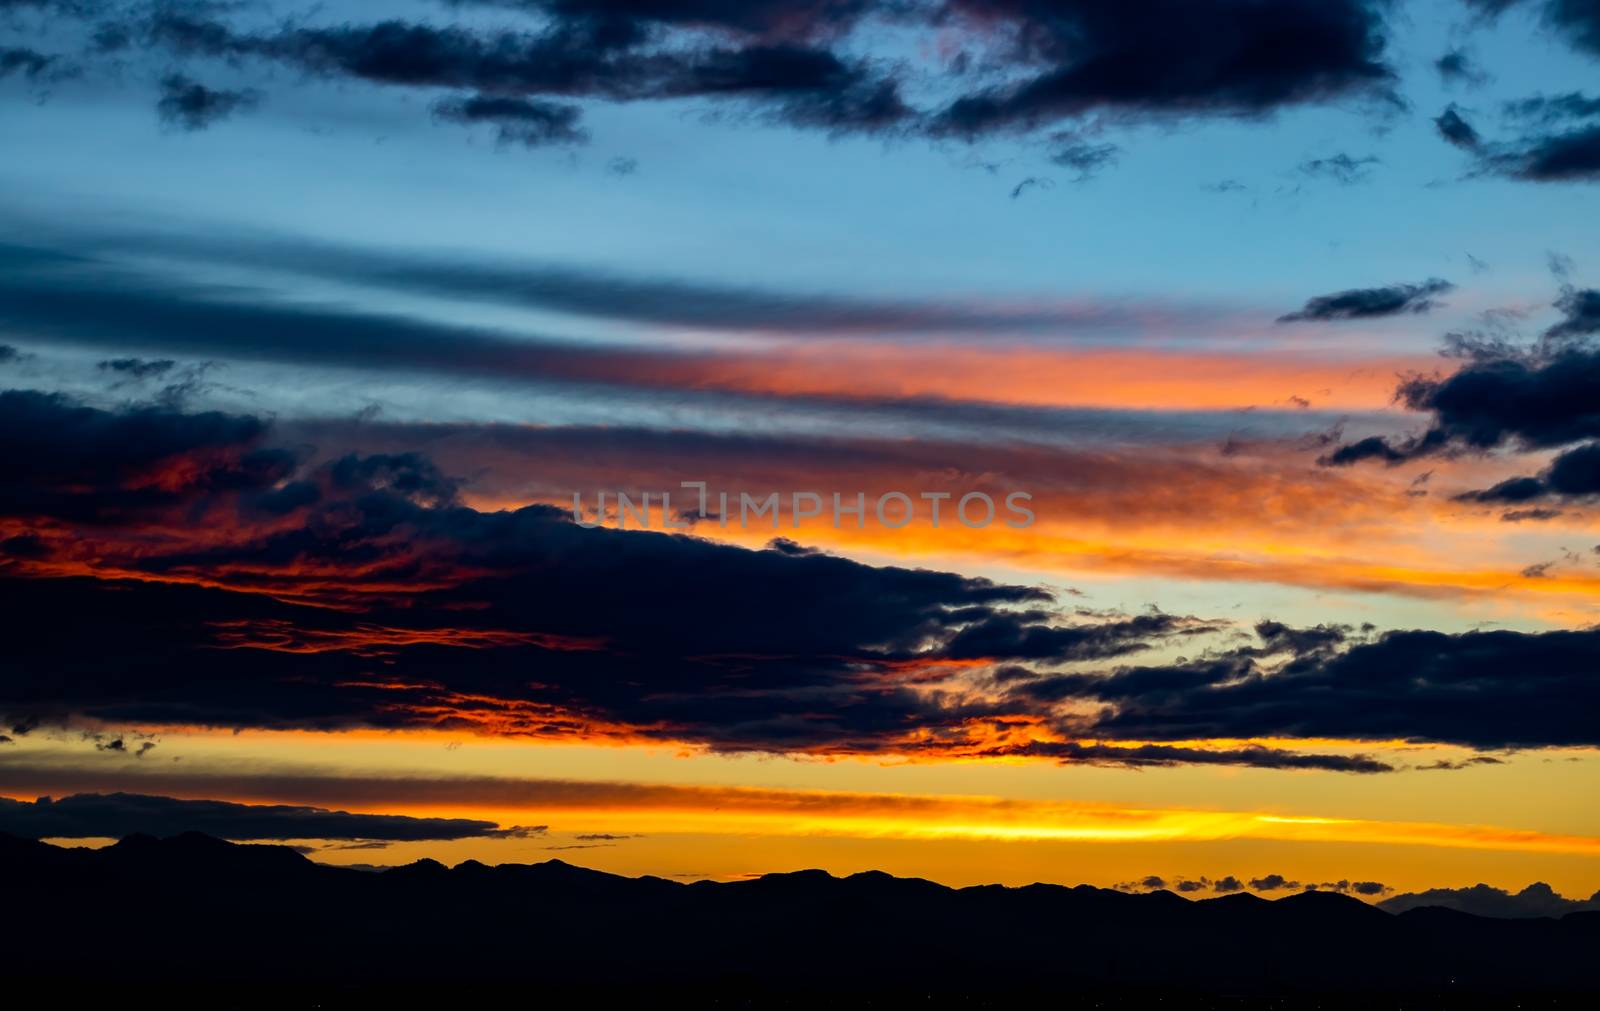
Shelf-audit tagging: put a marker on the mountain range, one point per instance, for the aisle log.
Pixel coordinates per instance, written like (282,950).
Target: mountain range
(192,911)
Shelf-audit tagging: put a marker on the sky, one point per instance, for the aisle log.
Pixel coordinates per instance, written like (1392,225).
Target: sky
(1277,320)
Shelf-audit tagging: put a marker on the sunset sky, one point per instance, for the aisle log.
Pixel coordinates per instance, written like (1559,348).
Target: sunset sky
(314,319)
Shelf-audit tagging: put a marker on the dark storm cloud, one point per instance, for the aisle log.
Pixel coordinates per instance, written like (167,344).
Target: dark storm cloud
(443,610)
(791,62)
(115,815)
(441,615)
(190,105)
(1532,402)
(78,463)
(1516,489)
(697,641)
(1574,474)
(527,122)
(722,666)
(614,59)
(1372,303)
(1170,58)
(1477,689)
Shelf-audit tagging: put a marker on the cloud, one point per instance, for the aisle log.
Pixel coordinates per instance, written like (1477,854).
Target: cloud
(1268,883)
(1476,689)
(1534,515)
(614,59)
(808,65)
(82,464)
(192,106)
(1580,308)
(1021,637)
(1457,66)
(1176,58)
(30,63)
(527,122)
(300,576)
(1085,159)
(1032,182)
(798,18)
(1272,883)
(1571,105)
(1577,20)
(1346,887)
(1536,900)
(137,368)
(487,595)
(1372,303)
(1574,474)
(1564,148)
(1455,129)
(1531,401)
(1516,489)
(34,66)
(459,604)
(115,815)
(1341,168)
(1158,755)
(1565,157)
(67,296)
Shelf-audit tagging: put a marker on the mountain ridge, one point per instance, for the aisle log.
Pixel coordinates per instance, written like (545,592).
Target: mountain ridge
(217,912)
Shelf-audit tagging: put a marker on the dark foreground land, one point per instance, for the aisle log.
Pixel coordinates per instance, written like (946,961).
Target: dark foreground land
(195,920)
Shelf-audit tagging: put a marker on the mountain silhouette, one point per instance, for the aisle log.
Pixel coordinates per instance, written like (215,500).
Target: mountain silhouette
(195,912)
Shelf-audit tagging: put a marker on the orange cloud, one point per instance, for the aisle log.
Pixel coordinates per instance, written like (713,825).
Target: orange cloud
(672,808)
